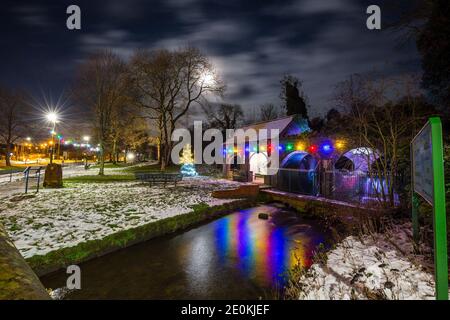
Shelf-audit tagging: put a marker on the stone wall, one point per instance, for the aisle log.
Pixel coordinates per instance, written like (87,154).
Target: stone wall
(243,191)
(17,280)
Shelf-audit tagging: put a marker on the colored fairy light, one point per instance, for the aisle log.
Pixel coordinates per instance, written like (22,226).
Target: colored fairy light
(300,146)
(313,148)
(289,147)
(247,149)
(340,144)
(280,148)
(263,148)
(326,148)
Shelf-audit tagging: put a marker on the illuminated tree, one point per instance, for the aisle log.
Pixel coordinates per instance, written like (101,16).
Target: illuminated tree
(188,167)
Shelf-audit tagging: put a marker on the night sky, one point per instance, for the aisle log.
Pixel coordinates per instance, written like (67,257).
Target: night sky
(253,43)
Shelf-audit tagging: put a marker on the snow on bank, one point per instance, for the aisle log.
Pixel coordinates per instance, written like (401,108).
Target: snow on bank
(57,218)
(378,266)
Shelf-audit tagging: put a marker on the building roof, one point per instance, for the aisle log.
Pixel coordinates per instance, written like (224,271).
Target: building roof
(282,124)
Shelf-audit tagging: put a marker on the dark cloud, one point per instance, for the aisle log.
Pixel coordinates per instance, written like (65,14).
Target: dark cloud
(32,15)
(253,43)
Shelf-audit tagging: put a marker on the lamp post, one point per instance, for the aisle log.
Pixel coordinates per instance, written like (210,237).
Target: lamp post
(86,140)
(53,118)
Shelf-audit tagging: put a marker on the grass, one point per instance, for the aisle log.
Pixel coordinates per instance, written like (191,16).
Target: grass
(132,168)
(110,165)
(98,179)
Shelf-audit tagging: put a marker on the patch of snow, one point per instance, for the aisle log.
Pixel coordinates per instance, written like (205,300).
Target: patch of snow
(377,266)
(58,218)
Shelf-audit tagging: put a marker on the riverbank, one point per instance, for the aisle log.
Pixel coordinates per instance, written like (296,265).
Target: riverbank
(383,265)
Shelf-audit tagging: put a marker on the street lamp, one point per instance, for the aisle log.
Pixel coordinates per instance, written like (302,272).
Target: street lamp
(53,118)
(86,139)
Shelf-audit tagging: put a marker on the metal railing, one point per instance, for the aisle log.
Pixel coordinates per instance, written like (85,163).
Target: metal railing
(295,181)
(32,173)
(349,186)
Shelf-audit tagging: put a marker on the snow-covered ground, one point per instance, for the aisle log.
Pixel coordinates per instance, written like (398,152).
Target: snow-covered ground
(57,218)
(377,266)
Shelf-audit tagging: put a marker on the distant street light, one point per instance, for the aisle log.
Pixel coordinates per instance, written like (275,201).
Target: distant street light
(86,138)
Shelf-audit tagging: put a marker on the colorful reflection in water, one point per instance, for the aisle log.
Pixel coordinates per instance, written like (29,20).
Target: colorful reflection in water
(234,257)
(264,250)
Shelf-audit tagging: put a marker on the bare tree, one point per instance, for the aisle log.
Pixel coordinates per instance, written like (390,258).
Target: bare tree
(135,135)
(269,112)
(224,116)
(13,107)
(102,85)
(382,121)
(168,83)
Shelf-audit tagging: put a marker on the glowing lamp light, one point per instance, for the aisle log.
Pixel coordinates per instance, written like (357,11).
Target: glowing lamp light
(130,156)
(235,150)
(52,117)
(255,149)
(289,147)
(263,148)
(247,149)
(280,148)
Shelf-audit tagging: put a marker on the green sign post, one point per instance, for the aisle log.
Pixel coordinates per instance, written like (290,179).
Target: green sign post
(428,181)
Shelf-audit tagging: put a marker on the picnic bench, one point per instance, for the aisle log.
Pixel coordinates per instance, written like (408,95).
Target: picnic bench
(159,177)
